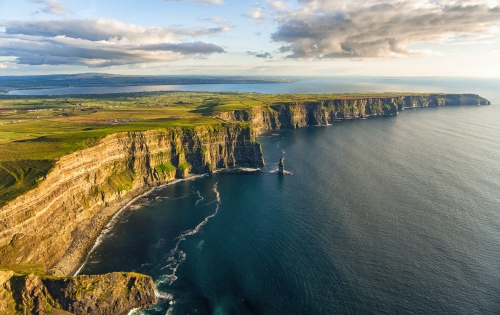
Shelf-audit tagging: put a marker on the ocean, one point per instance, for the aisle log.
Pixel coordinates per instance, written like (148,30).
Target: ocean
(387,215)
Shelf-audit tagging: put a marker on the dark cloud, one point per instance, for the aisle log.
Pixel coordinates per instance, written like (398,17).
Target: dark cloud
(187,48)
(264,55)
(366,29)
(98,43)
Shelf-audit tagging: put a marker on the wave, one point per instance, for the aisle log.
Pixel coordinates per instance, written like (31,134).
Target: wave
(107,229)
(177,256)
(200,198)
(130,205)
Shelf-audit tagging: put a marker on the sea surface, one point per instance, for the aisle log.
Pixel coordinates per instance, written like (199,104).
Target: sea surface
(391,215)
(314,86)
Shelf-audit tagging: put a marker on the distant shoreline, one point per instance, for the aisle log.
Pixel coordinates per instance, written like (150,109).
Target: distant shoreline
(93,80)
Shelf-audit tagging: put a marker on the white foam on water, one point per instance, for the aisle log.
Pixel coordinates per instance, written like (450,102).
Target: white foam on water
(177,256)
(200,244)
(249,169)
(105,231)
(108,228)
(200,198)
(133,311)
(176,198)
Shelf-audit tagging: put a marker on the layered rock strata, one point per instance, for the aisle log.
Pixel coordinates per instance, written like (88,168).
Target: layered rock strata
(56,223)
(300,114)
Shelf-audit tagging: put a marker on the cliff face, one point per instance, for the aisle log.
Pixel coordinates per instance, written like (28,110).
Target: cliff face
(55,224)
(300,114)
(114,293)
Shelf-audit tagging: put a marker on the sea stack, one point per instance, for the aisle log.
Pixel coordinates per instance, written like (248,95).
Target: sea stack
(281,169)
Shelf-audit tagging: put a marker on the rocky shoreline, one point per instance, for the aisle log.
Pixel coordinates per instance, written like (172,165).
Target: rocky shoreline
(57,223)
(113,293)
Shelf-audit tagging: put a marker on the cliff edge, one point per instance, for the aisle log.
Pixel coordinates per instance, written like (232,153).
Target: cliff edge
(316,113)
(55,224)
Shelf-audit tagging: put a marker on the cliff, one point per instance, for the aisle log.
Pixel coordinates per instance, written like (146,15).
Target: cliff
(299,114)
(114,293)
(56,223)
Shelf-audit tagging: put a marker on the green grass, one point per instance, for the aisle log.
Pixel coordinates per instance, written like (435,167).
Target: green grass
(35,131)
(17,177)
(120,181)
(165,168)
(25,269)
(184,166)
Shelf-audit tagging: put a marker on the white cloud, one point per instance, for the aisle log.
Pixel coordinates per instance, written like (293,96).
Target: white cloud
(3,66)
(278,5)
(99,43)
(257,14)
(52,6)
(378,28)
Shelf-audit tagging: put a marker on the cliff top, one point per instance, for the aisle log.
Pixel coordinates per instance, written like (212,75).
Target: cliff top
(35,131)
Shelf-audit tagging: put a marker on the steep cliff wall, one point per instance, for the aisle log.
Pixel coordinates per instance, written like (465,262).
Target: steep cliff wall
(55,224)
(110,294)
(300,114)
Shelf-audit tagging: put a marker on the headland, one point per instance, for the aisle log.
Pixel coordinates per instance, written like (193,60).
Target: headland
(94,155)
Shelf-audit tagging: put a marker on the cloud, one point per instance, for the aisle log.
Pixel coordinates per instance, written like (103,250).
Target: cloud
(112,30)
(264,55)
(278,5)
(375,28)
(218,2)
(99,43)
(52,6)
(257,14)
(3,66)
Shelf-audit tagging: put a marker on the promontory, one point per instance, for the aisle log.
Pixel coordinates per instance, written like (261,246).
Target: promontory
(69,164)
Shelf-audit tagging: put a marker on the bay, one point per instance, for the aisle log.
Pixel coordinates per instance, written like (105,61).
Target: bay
(392,215)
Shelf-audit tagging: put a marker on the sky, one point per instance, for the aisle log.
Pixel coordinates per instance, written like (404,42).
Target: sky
(245,37)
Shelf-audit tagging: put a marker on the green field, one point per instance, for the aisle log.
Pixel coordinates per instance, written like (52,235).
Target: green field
(35,131)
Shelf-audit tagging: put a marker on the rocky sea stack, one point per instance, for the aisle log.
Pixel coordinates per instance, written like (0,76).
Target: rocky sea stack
(281,167)
(55,223)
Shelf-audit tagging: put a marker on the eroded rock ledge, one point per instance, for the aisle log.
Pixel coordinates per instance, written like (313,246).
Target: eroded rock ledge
(55,224)
(300,114)
(113,293)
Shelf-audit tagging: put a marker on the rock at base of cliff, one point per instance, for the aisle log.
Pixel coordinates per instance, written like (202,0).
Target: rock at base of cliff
(281,167)
(113,293)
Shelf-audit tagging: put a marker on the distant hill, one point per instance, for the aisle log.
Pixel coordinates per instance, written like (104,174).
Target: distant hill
(9,83)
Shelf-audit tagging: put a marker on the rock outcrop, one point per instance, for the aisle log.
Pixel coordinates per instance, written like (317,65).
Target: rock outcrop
(281,167)
(300,114)
(110,294)
(56,223)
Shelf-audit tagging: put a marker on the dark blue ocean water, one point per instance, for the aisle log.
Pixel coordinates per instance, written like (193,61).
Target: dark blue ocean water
(394,215)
